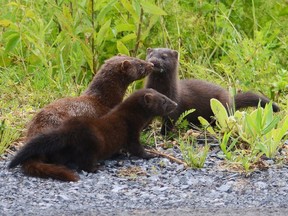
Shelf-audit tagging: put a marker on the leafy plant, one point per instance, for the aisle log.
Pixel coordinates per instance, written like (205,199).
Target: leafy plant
(182,122)
(256,133)
(194,155)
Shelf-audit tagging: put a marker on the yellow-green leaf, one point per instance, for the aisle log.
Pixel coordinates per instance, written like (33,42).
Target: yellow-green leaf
(5,23)
(220,112)
(128,6)
(12,43)
(125,27)
(102,32)
(122,48)
(152,8)
(128,37)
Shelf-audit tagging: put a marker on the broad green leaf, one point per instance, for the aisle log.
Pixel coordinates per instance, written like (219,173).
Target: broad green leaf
(128,37)
(102,14)
(271,125)
(102,32)
(282,129)
(153,20)
(125,27)
(122,48)
(206,124)
(251,124)
(284,12)
(268,114)
(5,23)
(152,8)
(128,6)
(220,112)
(30,13)
(12,43)
(88,54)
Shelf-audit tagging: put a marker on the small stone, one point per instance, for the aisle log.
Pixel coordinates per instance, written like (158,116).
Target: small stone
(260,185)
(224,188)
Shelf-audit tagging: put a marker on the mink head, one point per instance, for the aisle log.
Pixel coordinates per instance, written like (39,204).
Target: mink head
(164,59)
(128,68)
(157,103)
(135,69)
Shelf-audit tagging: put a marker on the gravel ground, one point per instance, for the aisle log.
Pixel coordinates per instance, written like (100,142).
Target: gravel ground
(157,186)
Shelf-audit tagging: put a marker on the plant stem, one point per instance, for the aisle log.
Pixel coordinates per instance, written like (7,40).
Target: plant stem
(134,54)
(92,39)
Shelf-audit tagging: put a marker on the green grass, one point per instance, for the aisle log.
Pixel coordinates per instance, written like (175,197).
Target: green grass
(51,49)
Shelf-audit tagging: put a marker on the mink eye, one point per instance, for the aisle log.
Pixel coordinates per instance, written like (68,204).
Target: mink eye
(163,57)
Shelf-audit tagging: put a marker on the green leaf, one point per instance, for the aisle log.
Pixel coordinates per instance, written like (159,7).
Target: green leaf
(130,9)
(220,112)
(284,12)
(102,32)
(206,124)
(12,43)
(102,14)
(122,48)
(125,27)
(5,23)
(282,129)
(128,37)
(152,8)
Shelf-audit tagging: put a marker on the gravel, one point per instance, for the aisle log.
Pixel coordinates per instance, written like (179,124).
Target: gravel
(130,186)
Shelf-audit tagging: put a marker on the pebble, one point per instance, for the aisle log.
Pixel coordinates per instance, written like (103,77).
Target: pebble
(162,185)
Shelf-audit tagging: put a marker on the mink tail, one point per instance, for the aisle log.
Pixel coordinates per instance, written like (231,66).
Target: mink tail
(41,145)
(40,169)
(249,99)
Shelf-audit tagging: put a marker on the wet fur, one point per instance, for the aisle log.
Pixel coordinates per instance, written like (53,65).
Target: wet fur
(191,93)
(81,142)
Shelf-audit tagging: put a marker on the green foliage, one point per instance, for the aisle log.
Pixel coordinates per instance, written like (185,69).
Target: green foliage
(51,49)
(182,122)
(257,133)
(194,155)
(7,133)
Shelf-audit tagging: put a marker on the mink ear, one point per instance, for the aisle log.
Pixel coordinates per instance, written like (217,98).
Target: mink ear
(120,54)
(148,98)
(149,50)
(175,53)
(125,65)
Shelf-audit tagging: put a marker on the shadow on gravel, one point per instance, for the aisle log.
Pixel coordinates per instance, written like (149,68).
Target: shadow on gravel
(214,212)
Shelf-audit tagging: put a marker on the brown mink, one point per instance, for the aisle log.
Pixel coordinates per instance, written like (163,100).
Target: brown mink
(81,142)
(191,93)
(106,90)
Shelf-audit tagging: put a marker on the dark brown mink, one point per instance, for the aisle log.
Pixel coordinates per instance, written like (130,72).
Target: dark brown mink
(106,90)
(81,142)
(191,93)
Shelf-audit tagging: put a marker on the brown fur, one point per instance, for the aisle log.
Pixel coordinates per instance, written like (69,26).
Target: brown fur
(191,93)
(80,142)
(106,90)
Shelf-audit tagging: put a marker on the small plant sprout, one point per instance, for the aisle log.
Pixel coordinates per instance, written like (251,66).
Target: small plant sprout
(193,154)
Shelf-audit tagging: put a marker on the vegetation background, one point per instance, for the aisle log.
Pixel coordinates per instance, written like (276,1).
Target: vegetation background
(51,49)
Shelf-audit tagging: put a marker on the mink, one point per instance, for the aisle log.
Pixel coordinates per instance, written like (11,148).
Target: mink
(192,93)
(80,142)
(106,90)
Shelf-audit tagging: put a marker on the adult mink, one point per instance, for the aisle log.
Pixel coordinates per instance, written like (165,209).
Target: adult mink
(80,142)
(106,90)
(191,93)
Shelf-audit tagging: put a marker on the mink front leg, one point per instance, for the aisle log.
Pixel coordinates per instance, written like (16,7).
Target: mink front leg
(135,148)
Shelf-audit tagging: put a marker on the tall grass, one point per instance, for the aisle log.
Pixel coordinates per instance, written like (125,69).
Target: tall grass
(51,49)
